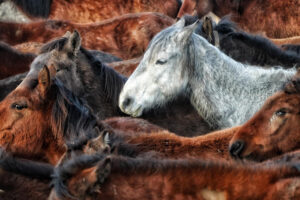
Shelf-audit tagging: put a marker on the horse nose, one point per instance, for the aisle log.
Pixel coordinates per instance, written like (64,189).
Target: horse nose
(127,102)
(236,148)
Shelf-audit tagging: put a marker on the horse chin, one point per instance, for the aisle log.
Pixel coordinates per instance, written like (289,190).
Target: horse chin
(134,111)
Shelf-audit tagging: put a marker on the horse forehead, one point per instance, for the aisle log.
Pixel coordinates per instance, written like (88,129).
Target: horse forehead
(40,61)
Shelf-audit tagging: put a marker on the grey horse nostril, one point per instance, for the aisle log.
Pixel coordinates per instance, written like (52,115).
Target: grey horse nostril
(127,102)
(236,148)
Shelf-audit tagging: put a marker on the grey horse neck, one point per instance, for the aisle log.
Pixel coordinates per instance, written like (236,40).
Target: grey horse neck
(227,93)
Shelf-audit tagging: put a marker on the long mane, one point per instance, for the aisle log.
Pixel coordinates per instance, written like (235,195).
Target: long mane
(70,116)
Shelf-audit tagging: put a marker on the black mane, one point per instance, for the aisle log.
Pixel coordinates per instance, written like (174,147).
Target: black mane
(252,49)
(71,117)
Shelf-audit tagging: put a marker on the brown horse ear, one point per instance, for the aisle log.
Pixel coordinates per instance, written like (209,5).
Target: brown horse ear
(207,28)
(98,144)
(44,81)
(74,42)
(103,169)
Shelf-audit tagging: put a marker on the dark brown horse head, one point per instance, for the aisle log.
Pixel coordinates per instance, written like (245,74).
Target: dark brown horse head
(64,57)
(84,74)
(25,129)
(273,130)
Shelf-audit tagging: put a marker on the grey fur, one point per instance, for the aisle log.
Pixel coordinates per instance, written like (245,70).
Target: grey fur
(224,92)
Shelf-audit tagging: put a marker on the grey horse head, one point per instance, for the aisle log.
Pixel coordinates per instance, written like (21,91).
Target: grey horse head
(160,76)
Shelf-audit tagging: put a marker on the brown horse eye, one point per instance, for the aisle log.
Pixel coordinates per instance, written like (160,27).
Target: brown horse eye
(18,106)
(280,112)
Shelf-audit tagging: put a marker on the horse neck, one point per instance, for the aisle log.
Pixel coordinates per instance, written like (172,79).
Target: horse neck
(102,88)
(204,175)
(221,88)
(173,146)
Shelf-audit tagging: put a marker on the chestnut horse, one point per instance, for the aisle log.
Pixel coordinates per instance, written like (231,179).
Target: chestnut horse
(40,115)
(281,21)
(94,11)
(126,36)
(112,177)
(12,61)
(273,130)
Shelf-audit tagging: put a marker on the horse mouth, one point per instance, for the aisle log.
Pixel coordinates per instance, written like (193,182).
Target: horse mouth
(133,111)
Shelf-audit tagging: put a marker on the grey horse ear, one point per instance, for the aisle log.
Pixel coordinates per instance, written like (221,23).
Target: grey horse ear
(180,24)
(186,32)
(74,42)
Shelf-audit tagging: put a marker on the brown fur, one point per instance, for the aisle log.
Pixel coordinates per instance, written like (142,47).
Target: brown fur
(135,137)
(132,125)
(12,61)
(126,36)
(29,47)
(94,11)
(274,129)
(125,67)
(276,19)
(27,132)
(283,41)
(16,187)
(120,178)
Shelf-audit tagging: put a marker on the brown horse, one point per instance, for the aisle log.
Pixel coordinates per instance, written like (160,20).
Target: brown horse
(94,11)
(126,36)
(281,21)
(273,130)
(12,61)
(40,115)
(111,177)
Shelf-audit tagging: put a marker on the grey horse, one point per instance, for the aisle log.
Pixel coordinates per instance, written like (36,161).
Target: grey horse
(178,62)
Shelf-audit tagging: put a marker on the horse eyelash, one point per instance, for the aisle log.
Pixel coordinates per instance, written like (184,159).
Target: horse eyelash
(160,62)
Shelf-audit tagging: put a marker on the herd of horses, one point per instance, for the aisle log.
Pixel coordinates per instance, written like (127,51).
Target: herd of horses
(150,100)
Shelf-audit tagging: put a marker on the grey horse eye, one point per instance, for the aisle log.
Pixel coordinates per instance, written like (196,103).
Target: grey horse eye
(160,62)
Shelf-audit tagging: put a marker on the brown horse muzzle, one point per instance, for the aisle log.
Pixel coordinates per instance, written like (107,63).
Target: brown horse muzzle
(236,149)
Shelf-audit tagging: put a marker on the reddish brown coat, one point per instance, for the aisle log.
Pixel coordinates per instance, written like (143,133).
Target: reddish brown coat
(126,36)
